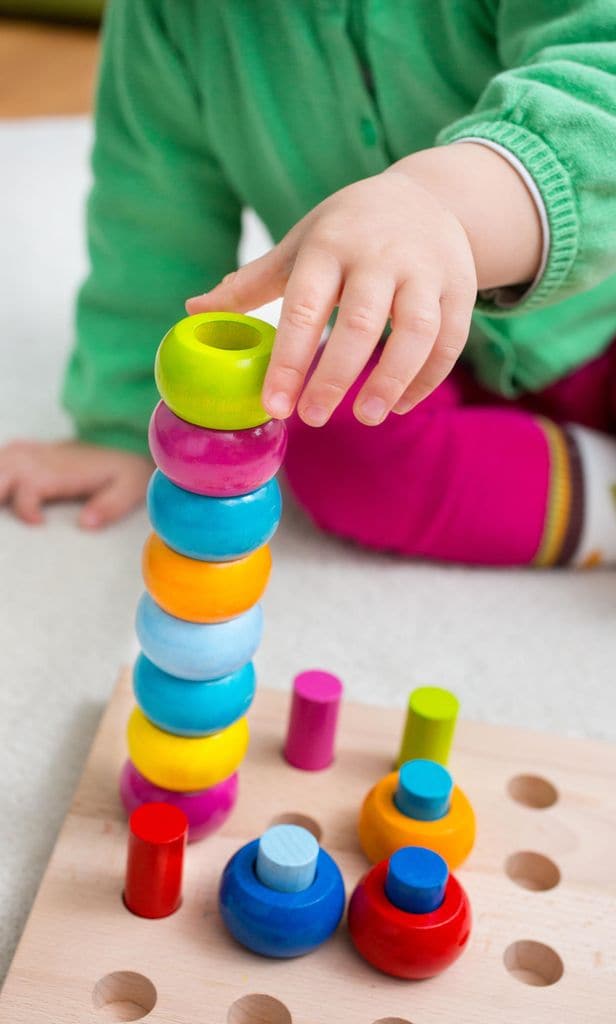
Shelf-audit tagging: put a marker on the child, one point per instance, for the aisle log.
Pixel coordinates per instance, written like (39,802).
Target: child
(419,161)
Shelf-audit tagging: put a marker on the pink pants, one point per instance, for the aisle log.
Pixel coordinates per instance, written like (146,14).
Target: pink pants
(464,477)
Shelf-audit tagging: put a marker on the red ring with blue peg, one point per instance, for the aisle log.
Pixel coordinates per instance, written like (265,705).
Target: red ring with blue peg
(408,916)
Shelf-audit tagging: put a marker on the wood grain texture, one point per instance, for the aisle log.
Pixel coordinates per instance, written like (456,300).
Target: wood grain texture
(80,933)
(46,70)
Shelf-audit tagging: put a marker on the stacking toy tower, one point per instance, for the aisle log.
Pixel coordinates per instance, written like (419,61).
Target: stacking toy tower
(214,504)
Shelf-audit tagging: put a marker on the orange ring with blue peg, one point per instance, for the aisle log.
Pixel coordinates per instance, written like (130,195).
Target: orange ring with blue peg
(386,824)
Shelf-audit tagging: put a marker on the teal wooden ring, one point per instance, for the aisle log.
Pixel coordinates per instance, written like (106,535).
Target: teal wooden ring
(187,707)
(210,369)
(213,529)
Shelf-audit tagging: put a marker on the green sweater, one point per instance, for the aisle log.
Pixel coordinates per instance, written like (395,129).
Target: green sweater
(207,106)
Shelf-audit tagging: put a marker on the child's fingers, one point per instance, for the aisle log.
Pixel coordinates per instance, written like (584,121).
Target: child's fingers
(416,319)
(455,323)
(364,309)
(6,486)
(260,281)
(310,297)
(113,501)
(27,501)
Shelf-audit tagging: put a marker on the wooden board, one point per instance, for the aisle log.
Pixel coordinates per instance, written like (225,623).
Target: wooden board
(79,931)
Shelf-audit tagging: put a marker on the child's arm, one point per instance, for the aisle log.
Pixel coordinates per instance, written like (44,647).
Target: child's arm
(416,240)
(161,217)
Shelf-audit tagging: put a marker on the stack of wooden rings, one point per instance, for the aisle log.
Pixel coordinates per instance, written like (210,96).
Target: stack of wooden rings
(214,504)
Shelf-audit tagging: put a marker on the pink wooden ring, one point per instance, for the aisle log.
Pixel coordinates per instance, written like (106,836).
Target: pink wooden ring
(206,809)
(218,463)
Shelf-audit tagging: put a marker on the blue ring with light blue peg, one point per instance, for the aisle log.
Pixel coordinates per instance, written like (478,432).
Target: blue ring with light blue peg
(195,650)
(188,707)
(280,924)
(424,790)
(213,529)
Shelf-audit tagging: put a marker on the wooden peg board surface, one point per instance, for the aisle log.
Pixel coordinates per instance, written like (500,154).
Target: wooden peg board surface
(79,931)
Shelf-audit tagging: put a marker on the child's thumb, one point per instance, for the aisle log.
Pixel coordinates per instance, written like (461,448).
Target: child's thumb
(254,284)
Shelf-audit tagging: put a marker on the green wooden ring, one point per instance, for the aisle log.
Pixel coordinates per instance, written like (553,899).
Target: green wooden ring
(210,369)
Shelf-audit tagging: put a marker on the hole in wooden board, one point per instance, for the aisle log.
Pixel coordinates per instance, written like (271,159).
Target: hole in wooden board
(532,871)
(391,1020)
(532,791)
(303,820)
(533,963)
(258,1009)
(123,996)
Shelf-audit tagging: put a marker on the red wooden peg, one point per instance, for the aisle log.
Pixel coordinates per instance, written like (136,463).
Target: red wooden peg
(156,844)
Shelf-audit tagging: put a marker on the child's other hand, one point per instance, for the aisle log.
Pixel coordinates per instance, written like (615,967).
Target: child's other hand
(381,247)
(111,482)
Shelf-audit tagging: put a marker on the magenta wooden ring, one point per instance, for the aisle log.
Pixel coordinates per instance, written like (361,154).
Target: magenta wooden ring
(218,463)
(206,809)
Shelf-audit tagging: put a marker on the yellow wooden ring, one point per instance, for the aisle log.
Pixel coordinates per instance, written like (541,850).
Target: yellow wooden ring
(181,763)
(210,369)
(383,829)
(204,591)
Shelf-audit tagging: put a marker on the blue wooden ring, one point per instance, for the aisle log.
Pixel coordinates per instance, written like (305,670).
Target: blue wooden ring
(194,650)
(192,708)
(213,529)
(279,924)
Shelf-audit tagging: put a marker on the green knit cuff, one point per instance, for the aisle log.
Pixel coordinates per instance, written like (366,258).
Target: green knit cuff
(554,184)
(114,437)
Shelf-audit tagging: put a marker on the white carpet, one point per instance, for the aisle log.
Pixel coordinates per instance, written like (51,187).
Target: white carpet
(528,648)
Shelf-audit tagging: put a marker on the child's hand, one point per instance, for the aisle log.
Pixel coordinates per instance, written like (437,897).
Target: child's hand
(33,473)
(381,247)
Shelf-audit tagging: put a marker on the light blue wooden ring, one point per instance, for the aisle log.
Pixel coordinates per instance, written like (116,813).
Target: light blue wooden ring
(192,708)
(194,650)
(213,529)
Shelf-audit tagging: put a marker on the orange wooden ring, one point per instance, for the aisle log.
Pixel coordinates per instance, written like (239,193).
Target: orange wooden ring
(204,591)
(383,829)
